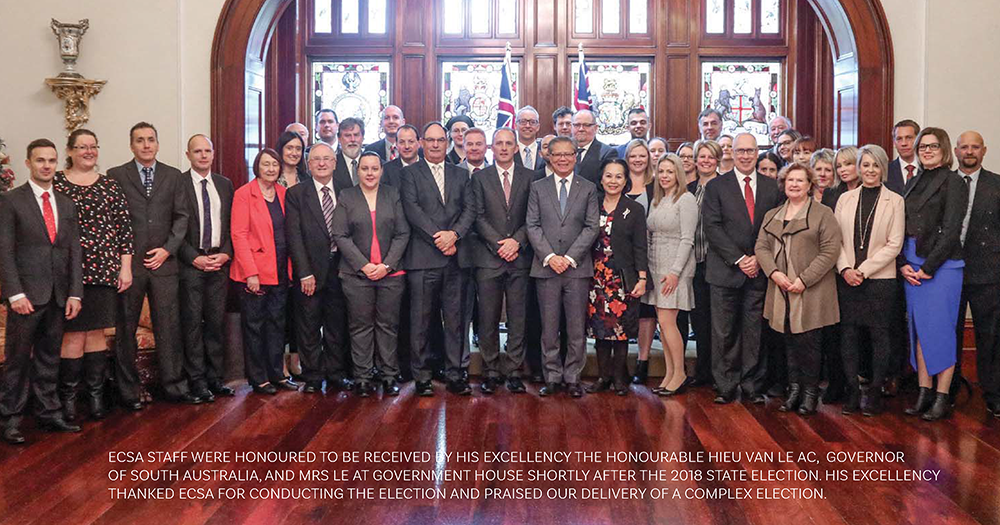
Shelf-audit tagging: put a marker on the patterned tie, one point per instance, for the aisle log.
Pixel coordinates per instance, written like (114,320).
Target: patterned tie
(354,171)
(147,180)
(748,196)
(206,206)
(392,152)
(563,196)
(529,161)
(439,179)
(328,207)
(506,187)
(909,172)
(49,216)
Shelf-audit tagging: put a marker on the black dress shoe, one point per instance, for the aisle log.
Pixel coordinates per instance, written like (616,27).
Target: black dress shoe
(313,387)
(465,375)
(600,385)
(287,384)
(871,403)
(390,388)
(924,400)
(266,388)
(515,385)
(439,376)
(537,379)
(488,386)
(758,399)
(641,372)
(791,403)
(548,390)
(364,388)
(723,399)
(204,394)
(575,390)
(133,405)
(187,398)
(221,390)
(810,400)
(993,408)
(776,391)
(621,390)
(342,384)
(424,388)
(13,436)
(940,409)
(58,425)
(459,387)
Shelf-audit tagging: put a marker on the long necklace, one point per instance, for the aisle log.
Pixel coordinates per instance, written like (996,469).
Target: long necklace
(865,227)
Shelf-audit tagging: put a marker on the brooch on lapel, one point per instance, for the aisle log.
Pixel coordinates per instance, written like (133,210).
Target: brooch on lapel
(625,214)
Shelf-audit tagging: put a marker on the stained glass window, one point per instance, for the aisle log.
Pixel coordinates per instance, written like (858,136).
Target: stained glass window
(323,20)
(349,16)
(376,17)
(454,17)
(584,16)
(610,16)
(479,22)
(353,89)
(473,89)
(741,18)
(637,16)
(715,21)
(748,94)
(507,17)
(769,16)
(615,88)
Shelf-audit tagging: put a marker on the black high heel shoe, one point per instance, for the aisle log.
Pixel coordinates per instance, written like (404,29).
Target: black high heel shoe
(793,399)
(940,409)
(924,400)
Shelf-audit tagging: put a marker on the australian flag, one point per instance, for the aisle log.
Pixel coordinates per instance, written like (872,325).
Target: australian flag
(505,106)
(582,100)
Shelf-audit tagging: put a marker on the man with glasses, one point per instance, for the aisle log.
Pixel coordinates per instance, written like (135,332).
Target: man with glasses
(590,151)
(732,210)
(528,153)
(638,127)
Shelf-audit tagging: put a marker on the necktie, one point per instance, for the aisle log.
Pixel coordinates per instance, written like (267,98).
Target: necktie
(147,180)
(206,206)
(529,162)
(354,171)
(563,195)
(328,207)
(439,179)
(506,188)
(49,216)
(968,180)
(392,152)
(748,196)
(579,155)
(476,169)
(909,172)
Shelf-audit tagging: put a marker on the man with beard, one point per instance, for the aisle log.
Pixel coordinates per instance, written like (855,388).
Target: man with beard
(351,136)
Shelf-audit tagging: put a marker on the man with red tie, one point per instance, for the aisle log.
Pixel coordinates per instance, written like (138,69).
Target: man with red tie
(41,277)
(732,210)
(904,167)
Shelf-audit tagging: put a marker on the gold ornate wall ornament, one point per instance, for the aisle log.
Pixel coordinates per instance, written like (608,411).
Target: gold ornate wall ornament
(76,93)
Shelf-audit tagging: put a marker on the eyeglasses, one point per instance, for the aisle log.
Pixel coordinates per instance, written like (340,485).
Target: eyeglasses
(583,125)
(687,157)
(323,159)
(527,121)
(441,140)
(746,151)
(86,148)
(562,155)
(929,147)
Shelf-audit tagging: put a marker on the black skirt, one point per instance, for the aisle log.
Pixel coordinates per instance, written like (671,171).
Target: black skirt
(98,312)
(872,303)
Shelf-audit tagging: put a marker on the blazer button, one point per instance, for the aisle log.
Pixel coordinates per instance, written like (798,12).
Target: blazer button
(150,221)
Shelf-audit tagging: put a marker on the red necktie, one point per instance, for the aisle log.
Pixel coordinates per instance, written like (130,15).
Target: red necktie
(909,172)
(49,216)
(748,196)
(392,152)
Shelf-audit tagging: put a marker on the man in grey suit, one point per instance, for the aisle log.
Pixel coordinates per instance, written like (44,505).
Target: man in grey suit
(158,206)
(562,223)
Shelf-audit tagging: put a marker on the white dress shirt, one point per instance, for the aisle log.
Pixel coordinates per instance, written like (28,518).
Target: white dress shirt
(319,191)
(533,148)
(214,201)
(974,179)
(741,179)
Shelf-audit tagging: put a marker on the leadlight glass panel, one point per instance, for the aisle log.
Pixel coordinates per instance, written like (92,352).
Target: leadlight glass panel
(479,19)
(584,16)
(353,89)
(323,20)
(507,17)
(748,94)
(349,16)
(741,18)
(715,21)
(454,17)
(473,89)
(610,16)
(637,16)
(615,88)
(770,16)
(376,17)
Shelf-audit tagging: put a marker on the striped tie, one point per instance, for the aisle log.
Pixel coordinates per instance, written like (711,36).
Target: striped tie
(147,181)
(328,207)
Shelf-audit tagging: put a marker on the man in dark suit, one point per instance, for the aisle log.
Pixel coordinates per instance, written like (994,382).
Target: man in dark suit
(204,274)
(904,167)
(527,153)
(434,195)
(638,126)
(502,257)
(562,222)
(157,203)
(327,126)
(319,296)
(710,124)
(590,151)
(41,276)
(408,148)
(392,119)
(981,281)
(474,143)
(732,210)
(351,135)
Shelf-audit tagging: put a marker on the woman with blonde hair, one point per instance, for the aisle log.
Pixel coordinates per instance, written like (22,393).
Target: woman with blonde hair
(640,174)
(845,164)
(822,163)
(708,156)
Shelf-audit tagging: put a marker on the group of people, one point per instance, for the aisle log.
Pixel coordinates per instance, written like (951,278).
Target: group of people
(371,262)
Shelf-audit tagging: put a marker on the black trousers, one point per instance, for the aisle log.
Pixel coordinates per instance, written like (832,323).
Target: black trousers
(804,357)
(853,354)
(373,316)
(773,346)
(701,320)
(984,299)
(736,324)
(436,290)
(263,320)
(612,360)
(163,308)
(470,302)
(833,367)
(533,331)
(35,372)
(899,332)
(203,314)
(494,285)
(321,329)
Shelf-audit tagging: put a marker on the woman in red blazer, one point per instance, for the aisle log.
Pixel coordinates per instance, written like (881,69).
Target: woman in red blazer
(260,260)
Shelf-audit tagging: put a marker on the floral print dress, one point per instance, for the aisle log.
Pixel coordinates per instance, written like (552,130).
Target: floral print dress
(612,314)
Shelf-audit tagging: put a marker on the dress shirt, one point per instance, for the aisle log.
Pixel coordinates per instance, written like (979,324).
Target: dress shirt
(350,168)
(214,201)
(472,169)
(903,164)
(440,166)
(533,148)
(569,188)
(510,176)
(974,176)
(582,150)
(753,188)
(139,166)
(38,191)
(319,192)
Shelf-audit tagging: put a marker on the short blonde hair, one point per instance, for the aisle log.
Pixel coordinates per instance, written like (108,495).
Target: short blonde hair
(640,143)
(878,155)
(850,154)
(714,147)
(679,187)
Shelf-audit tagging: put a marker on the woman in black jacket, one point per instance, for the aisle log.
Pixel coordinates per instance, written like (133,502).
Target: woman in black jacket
(620,268)
(931,263)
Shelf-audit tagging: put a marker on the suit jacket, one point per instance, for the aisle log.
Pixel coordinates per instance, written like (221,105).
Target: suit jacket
(936,201)
(342,174)
(496,220)
(886,239)
(192,241)
(628,241)
(429,214)
(308,237)
(253,235)
(539,161)
(352,229)
(895,180)
(29,262)
(728,229)
(380,147)
(589,166)
(982,239)
(571,234)
(159,221)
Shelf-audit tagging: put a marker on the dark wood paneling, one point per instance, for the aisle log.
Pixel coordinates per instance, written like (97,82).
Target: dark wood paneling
(545,22)
(545,93)
(282,75)
(414,88)
(680,123)
(412,26)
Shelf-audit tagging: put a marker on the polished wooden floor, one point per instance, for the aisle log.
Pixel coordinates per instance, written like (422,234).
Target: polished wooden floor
(60,479)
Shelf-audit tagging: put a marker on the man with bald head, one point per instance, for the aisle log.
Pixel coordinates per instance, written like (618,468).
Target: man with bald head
(527,139)
(590,151)
(392,119)
(732,210)
(981,281)
(301,130)
(204,273)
